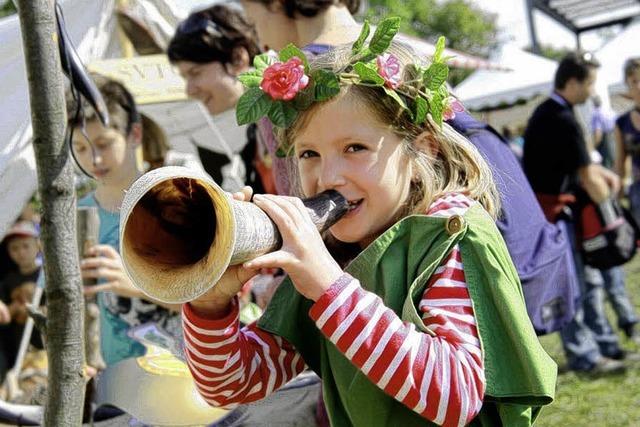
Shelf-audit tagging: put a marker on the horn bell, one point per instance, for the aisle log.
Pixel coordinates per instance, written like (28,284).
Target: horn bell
(177,233)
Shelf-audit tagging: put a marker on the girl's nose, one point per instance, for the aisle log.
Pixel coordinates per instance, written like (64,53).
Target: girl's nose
(97,157)
(332,175)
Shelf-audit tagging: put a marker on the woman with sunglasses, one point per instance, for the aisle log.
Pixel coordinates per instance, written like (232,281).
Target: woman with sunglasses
(211,48)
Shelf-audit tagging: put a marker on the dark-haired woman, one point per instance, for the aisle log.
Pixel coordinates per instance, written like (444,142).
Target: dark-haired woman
(211,48)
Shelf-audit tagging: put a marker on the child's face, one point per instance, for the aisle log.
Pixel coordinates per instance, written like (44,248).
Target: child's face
(345,148)
(633,83)
(112,159)
(23,250)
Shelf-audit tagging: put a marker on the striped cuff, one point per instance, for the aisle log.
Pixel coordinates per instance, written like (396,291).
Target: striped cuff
(329,295)
(213,324)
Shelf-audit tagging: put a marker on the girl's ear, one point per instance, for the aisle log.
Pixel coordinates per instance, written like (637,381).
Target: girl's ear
(135,136)
(239,60)
(427,143)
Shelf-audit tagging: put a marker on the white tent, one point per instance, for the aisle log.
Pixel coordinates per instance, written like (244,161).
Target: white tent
(526,76)
(92,28)
(90,25)
(613,55)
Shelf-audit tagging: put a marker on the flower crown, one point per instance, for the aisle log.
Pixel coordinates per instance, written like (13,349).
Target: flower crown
(280,88)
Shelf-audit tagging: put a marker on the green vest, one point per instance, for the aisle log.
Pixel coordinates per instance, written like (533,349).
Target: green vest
(520,376)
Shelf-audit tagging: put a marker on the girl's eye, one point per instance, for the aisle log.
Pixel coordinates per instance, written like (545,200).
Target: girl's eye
(79,149)
(102,145)
(355,147)
(308,154)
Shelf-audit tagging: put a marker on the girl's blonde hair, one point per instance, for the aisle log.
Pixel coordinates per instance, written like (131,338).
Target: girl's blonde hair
(455,164)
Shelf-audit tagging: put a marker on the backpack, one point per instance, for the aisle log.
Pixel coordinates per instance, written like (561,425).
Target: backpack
(540,251)
(606,232)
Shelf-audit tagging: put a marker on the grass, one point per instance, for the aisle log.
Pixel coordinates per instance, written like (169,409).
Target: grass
(606,401)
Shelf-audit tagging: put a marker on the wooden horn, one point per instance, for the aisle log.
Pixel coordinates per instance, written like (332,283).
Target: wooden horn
(179,231)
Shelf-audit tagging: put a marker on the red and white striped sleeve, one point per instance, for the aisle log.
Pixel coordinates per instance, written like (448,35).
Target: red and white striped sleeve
(232,365)
(440,377)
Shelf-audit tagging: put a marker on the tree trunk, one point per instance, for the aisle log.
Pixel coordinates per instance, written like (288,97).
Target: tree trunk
(65,308)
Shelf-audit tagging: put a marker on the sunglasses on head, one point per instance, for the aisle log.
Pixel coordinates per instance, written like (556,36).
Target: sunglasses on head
(196,24)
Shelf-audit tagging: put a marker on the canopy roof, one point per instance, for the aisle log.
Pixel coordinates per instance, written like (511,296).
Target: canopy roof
(528,75)
(584,15)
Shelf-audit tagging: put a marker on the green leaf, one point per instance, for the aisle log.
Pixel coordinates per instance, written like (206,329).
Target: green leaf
(305,98)
(252,106)
(368,73)
(393,94)
(327,84)
(291,51)
(251,78)
(385,32)
(436,109)
(447,58)
(443,91)
(436,75)
(437,55)
(422,108)
(359,44)
(282,152)
(262,61)
(282,114)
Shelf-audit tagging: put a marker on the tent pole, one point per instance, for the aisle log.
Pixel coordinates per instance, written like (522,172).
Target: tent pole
(535,46)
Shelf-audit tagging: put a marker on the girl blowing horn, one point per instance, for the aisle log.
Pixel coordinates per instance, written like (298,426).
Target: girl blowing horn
(410,308)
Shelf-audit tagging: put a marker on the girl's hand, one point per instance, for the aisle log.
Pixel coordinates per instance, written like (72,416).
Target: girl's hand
(105,263)
(303,254)
(215,302)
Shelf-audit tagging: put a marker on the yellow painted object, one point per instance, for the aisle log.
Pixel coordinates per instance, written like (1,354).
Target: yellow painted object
(150,78)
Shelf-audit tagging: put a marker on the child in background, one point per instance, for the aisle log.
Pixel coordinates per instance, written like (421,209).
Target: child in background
(108,154)
(23,245)
(426,323)
(627,135)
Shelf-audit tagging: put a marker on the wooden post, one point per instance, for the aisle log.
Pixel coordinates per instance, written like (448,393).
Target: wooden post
(65,307)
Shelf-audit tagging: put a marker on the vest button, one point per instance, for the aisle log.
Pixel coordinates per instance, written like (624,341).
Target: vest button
(454,224)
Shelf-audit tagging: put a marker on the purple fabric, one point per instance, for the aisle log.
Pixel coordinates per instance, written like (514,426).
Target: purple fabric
(600,121)
(539,250)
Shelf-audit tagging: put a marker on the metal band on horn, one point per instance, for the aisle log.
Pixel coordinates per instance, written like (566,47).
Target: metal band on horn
(179,231)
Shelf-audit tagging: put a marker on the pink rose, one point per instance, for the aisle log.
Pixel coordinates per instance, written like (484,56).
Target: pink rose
(284,80)
(453,106)
(389,69)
